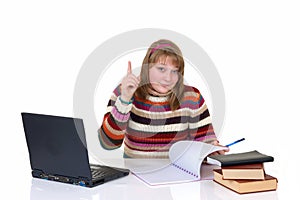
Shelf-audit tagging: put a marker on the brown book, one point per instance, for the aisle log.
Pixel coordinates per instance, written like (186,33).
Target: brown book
(250,171)
(246,186)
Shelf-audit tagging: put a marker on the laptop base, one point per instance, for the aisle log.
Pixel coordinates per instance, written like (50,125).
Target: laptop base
(106,174)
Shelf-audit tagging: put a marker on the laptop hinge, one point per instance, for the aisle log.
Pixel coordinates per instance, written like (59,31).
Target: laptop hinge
(39,174)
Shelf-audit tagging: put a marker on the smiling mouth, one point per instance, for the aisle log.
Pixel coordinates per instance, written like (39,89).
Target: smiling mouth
(165,86)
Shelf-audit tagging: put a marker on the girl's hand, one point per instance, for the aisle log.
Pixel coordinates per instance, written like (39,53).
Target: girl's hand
(222,152)
(129,84)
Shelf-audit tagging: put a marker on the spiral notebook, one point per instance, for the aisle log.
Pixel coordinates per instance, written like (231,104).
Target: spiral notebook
(186,158)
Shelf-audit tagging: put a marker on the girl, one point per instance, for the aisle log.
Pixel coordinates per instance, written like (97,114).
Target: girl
(151,112)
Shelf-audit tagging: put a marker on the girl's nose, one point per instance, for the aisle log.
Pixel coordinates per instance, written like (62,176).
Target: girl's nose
(168,76)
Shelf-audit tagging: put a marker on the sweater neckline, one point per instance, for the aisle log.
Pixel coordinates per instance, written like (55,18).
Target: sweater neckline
(157,99)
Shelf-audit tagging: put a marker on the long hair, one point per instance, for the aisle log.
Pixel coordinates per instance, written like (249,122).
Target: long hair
(162,49)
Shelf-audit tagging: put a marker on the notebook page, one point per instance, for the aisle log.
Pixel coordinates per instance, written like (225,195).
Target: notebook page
(188,155)
(166,175)
(157,171)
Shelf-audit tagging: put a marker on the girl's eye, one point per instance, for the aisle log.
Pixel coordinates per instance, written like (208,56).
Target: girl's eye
(174,71)
(161,69)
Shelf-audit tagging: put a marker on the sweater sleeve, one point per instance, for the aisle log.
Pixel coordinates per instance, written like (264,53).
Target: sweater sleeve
(112,131)
(200,122)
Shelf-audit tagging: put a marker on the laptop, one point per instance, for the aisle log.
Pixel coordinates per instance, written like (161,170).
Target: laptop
(58,151)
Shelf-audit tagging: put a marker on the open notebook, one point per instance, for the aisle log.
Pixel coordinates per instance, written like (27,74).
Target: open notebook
(184,165)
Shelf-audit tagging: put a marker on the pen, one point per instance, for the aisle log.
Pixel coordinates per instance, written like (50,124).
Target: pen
(232,143)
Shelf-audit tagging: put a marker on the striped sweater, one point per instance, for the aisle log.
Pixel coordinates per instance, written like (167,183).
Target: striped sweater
(148,127)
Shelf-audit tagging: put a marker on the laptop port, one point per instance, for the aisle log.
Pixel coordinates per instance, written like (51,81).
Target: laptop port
(64,179)
(81,183)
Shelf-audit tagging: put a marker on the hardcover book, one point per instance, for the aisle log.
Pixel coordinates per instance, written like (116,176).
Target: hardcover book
(244,158)
(246,186)
(250,171)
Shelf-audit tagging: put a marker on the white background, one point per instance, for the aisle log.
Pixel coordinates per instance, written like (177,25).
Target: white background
(255,46)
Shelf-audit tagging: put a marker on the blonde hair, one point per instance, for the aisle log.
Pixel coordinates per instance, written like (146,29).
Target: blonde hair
(162,49)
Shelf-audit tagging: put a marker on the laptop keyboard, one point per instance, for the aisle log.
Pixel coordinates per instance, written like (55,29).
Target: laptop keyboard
(99,171)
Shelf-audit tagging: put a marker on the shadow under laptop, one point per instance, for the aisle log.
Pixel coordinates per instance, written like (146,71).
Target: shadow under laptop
(125,188)
(46,190)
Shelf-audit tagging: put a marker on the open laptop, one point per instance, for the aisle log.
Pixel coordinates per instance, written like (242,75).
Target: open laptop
(58,151)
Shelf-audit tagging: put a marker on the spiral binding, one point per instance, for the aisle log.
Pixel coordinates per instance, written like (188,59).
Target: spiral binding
(185,170)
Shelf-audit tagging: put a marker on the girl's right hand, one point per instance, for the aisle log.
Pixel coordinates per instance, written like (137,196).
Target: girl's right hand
(129,84)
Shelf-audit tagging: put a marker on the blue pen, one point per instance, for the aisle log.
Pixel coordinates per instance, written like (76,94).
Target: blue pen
(228,145)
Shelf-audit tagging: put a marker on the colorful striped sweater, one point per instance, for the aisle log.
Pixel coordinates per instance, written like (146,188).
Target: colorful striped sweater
(149,127)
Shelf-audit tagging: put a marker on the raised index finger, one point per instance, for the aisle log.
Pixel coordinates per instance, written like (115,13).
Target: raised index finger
(129,68)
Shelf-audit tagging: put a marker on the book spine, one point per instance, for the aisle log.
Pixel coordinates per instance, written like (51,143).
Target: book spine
(185,170)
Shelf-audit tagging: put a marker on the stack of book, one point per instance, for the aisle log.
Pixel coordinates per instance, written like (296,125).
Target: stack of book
(243,172)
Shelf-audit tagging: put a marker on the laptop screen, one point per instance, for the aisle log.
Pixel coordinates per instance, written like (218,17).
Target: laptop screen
(56,145)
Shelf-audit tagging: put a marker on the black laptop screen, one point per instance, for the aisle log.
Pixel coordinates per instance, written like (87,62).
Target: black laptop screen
(56,145)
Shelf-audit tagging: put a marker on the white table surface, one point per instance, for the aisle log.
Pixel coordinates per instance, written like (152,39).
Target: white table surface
(130,187)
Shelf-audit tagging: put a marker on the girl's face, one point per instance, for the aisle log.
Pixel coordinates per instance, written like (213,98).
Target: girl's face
(163,75)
